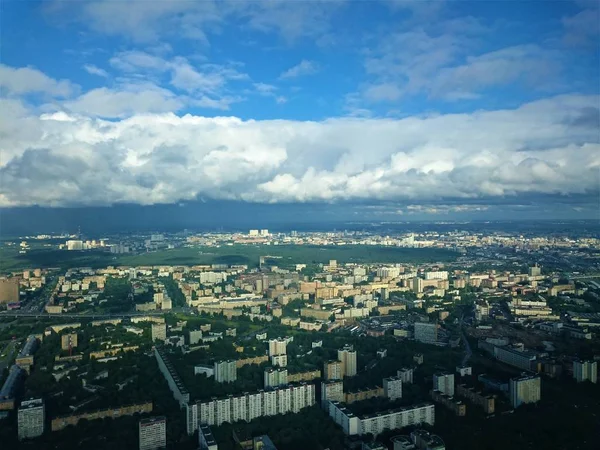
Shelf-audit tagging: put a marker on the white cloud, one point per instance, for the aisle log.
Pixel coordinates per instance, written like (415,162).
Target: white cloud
(545,147)
(125,101)
(303,68)
(26,80)
(94,70)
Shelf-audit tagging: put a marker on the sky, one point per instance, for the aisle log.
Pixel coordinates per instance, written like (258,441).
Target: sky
(378,109)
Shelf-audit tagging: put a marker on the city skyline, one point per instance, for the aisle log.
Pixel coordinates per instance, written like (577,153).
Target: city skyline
(406,110)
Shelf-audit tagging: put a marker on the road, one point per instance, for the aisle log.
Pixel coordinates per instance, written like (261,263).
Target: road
(123,315)
(7,351)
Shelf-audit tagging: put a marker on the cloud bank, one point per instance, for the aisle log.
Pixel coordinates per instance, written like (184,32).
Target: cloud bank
(67,158)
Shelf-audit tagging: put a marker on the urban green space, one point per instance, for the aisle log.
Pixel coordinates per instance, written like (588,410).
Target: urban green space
(285,255)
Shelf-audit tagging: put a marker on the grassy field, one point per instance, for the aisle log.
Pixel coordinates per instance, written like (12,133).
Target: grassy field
(238,254)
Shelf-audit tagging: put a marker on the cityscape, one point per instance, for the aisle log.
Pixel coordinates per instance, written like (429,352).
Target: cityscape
(488,329)
(299,225)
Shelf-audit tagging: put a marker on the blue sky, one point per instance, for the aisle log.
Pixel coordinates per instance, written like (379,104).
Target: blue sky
(408,103)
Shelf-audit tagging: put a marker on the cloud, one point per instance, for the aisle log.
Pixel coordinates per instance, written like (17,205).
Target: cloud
(148,21)
(443,62)
(584,27)
(93,70)
(27,80)
(125,101)
(72,157)
(382,92)
(303,68)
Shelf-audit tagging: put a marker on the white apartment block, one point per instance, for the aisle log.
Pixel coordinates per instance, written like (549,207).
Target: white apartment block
(436,275)
(279,360)
(214,412)
(30,419)
(153,433)
(585,371)
(384,420)
(392,388)
(275,377)
(225,371)
(444,382)
(526,389)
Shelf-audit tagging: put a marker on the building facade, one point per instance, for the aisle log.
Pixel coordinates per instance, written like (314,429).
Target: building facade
(31,417)
(392,388)
(225,371)
(347,356)
(377,423)
(444,382)
(585,371)
(525,389)
(153,433)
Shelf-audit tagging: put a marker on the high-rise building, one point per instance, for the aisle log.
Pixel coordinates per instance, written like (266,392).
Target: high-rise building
(153,433)
(225,371)
(9,290)
(426,332)
(525,389)
(68,341)
(279,360)
(535,271)
(206,439)
(332,370)
(159,332)
(347,356)
(417,285)
(406,375)
(444,382)
(392,388)
(275,377)
(277,346)
(332,390)
(31,418)
(585,371)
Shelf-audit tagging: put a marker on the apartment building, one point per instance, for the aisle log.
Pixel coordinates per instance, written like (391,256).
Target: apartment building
(225,371)
(277,346)
(206,439)
(376,423)
(30,419)
(332,390)
(444,382)
(392,388)
(406,375)
(525,389)
(347,357)
(180,393)
(153,433)
(275,377)
(159,332)
(522,359)
(585,371)
(486,402)
(270,402)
